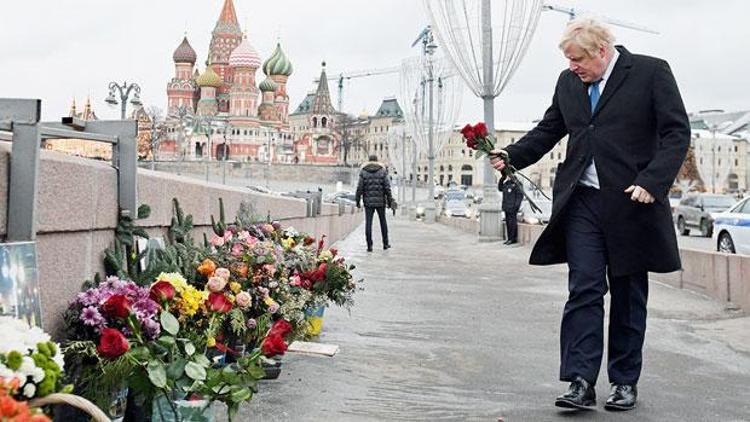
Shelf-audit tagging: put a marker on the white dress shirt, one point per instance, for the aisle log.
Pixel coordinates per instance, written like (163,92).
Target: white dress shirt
(589,176)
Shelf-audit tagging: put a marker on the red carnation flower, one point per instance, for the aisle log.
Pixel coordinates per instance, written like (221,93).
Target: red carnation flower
(273,345)
(112,344)
(217,302)
(480,130)
(280,328)
(162,291)
(117,306)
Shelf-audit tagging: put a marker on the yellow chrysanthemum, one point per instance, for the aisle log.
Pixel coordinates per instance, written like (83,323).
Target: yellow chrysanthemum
(288,243)
(235,287)
(191,300)
(268,301)
(326,255)
(211,342)
(175,279)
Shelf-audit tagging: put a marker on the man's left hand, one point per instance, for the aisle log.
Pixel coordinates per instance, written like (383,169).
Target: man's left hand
(639,194)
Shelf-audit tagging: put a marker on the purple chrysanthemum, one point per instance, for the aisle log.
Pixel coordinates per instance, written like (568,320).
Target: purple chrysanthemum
(91,316)
(89,297)
(151,328)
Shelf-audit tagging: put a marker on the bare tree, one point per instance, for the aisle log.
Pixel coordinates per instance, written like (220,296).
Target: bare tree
(352,141)
(158,131)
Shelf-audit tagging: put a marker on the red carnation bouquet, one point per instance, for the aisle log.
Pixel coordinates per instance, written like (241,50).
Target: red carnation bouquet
(478,139)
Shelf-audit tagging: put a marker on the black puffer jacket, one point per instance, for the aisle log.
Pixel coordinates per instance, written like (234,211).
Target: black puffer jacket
(374,188)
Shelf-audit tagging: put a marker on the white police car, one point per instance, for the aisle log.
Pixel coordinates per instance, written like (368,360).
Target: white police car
(732,229)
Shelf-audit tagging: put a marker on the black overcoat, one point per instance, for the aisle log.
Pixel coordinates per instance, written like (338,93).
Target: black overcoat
(638,135)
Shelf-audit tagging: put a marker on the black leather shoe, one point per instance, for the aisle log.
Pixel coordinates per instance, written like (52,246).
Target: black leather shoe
(369,249)
(580,395)
(385,247)
(622,397)
(506,242)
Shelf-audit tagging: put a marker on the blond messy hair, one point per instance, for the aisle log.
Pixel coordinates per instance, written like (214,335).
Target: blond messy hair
(589,34)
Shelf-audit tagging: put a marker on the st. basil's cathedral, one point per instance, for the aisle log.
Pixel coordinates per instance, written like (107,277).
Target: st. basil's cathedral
(224,111)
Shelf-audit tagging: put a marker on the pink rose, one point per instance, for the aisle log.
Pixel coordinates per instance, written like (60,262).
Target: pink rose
(216,284)
(296,280)
(217,241)
(251,241)
(244,234)
(228,235)
(237,249)
(243,300)
(270,269)
(222,272)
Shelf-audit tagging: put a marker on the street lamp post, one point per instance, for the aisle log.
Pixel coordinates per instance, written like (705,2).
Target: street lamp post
(124,91)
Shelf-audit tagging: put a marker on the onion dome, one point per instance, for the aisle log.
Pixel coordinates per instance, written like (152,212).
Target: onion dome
(278,63)
(184,53)
(209,78)
(268,85)
(244,55)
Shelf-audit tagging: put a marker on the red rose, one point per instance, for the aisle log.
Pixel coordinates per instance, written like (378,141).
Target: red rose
(117,306)
(468,133)
(162,291)
(334,251)
(217,302)
(473,144)
(308,241)
(112,344)
(280,328)
(480,129)
(273,345)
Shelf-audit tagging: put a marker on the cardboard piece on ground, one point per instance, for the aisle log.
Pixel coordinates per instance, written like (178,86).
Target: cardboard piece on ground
(313,348)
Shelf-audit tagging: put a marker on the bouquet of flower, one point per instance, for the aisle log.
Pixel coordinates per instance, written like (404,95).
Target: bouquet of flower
(29,360)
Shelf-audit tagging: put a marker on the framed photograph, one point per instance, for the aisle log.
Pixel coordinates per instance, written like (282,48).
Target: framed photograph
(19,284)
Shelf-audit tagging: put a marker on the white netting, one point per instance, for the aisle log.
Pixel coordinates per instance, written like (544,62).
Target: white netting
(415,100)
(458,26)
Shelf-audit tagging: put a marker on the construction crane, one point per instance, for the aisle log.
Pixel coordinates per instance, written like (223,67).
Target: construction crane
(572,12)
(346,76)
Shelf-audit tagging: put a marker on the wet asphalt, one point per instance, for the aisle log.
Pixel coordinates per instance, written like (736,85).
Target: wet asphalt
(450,329)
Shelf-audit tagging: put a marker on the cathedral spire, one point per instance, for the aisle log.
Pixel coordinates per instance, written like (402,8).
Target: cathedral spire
(322,104)
(228,14)
(73,108)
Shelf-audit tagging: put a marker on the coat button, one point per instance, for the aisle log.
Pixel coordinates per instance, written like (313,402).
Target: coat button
(592,127)
(581,158)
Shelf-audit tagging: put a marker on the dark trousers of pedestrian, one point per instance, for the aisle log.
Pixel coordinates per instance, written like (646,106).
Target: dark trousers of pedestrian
(369,211)
(582,330)
(511,224)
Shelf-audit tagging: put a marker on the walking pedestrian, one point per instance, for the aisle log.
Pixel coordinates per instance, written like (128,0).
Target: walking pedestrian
(628,135)
(374,189)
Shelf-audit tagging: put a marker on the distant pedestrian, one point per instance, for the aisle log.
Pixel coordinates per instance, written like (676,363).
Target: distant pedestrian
(512,197)
(374,189)
(628,134)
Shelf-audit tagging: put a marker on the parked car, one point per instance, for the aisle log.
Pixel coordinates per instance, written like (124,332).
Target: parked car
(674,200)
(455,204)
(334,197)
(529,216)
(696,211)
(732,229)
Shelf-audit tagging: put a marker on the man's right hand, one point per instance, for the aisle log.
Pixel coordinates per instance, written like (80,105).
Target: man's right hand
(497,159)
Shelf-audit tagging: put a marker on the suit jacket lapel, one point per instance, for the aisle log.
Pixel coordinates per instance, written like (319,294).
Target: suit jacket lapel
(619,74)
(583,95)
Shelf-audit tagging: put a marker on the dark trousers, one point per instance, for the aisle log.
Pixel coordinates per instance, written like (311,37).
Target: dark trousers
(369,211)
(511,224)
(582,331)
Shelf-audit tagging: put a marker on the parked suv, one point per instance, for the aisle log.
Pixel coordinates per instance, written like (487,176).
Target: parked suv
(696,211)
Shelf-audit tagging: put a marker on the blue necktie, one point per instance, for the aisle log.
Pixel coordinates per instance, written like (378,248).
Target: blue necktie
(594,95)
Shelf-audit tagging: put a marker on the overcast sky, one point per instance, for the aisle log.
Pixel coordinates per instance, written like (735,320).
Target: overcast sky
(58,49)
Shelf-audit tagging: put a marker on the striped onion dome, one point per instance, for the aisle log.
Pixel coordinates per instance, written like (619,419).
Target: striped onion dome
(209,78)
(268,85)
(278,63)
(244,55)
(184,53)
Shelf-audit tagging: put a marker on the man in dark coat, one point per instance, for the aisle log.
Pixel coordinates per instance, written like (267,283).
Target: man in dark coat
(512,197)
(374,189)
(628,136)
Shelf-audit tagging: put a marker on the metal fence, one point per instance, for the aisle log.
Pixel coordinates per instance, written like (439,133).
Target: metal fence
(20,123)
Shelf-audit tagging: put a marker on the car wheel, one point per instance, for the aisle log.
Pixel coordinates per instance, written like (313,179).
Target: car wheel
(706,229)
(725,245)
(681,227)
